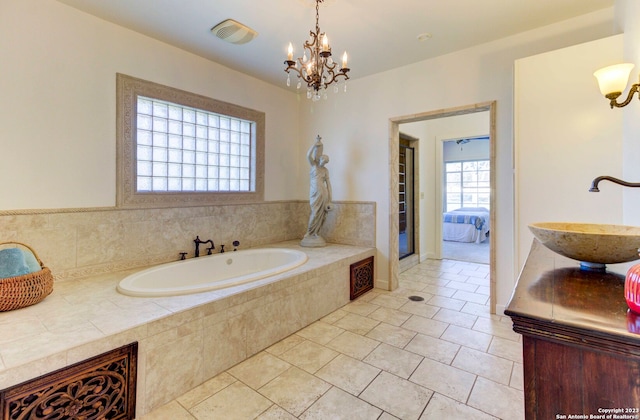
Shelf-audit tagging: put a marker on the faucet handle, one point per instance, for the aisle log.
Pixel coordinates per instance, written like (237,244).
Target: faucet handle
(235,245)
(183,256)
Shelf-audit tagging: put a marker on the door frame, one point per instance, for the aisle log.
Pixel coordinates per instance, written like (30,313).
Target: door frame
(394,151)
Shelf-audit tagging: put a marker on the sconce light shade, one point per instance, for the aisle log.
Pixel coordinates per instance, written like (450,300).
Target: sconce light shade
(613,79)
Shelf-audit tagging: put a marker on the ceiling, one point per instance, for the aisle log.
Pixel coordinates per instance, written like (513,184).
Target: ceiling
(378,34)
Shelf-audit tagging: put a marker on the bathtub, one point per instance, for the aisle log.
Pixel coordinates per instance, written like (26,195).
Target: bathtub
(211,272)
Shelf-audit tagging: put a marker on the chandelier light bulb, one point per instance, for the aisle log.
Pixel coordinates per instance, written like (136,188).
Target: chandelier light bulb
(344,60)
(290,52)
(325,43)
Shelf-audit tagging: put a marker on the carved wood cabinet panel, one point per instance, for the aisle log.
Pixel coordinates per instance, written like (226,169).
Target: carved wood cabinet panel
(103,387)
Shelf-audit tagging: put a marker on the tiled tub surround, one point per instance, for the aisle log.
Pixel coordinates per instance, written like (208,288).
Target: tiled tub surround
(77,244)
(183,340)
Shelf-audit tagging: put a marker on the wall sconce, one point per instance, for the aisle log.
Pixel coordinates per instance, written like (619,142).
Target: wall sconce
(613,80)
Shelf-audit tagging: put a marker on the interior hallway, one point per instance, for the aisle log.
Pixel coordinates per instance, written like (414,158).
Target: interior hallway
(383,357)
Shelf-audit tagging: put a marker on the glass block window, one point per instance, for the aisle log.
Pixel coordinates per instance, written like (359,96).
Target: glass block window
(467,184)
(181,148)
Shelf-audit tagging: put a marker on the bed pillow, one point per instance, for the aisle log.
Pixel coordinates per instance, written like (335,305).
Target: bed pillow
(12,263)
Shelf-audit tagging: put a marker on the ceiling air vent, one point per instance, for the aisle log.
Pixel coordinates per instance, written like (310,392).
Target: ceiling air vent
(234,32)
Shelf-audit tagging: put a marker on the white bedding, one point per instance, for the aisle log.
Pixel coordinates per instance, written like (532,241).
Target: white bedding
(465,232)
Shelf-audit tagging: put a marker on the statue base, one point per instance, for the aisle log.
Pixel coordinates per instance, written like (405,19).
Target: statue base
(313,241)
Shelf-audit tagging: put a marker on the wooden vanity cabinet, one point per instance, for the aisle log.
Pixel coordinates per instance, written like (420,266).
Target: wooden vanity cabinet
(581,346)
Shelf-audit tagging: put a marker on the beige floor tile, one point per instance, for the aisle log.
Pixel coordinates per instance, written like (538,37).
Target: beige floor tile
(391,334)
(286,344)
(412,284)
(439,290)
(497,328)
(482,364)
(334,316)
(471,297)
(517,377)
(441,407)
(391,359)
(425,326)
(480,281)
(390,316)
(348,374)
(320,332)
(405,292)
(353,345)
(444,379)
(389,301)
(207,389)
(309,356)
(224,404)
(356,323)
(295,390)
(339,405)
(420,309)
(397,396)
(484,290)
(468,338)
(276,413)
(387,416)
(446,302)
(508,349)
(360,307)
(498,400)
(259,369)
(476,309)
(455,317)
(433,348)
(170,411)
(459,285)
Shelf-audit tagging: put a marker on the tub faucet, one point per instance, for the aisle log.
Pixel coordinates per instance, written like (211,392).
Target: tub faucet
(595,182)
(197,241)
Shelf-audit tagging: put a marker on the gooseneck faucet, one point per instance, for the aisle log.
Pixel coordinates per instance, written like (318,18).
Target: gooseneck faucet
(595,182)
(197,241)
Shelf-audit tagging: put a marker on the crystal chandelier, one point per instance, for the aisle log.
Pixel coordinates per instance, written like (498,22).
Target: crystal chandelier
(316,67)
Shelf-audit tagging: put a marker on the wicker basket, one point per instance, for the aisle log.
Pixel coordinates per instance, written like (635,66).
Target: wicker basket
(29,289)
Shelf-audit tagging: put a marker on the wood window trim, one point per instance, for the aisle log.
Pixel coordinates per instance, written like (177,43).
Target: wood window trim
(127,90)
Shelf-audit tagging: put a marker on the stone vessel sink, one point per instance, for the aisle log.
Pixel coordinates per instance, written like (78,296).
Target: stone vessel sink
(594,245)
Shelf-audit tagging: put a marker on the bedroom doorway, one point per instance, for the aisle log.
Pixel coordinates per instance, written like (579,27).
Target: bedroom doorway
(464,181)
(425,195)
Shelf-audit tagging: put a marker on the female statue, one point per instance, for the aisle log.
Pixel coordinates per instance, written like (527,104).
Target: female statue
(319,194)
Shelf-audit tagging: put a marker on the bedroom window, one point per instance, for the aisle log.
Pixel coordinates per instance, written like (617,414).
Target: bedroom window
(467,184)
(178,149)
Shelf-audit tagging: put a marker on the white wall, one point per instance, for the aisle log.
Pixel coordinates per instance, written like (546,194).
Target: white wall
(565,139)
(355,125)
(57,107)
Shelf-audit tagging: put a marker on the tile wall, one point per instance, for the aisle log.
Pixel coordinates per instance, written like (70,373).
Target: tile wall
(80,243)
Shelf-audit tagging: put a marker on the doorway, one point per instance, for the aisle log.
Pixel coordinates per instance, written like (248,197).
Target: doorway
(394,151)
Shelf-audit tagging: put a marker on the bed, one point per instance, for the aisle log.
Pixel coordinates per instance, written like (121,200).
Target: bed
(466,224)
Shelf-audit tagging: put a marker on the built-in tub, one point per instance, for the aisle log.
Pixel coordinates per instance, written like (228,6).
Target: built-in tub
(211,272)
